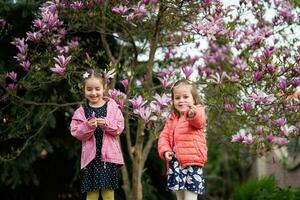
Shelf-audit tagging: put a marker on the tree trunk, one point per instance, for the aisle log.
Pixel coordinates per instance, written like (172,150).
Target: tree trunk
(138,164)
(137,190)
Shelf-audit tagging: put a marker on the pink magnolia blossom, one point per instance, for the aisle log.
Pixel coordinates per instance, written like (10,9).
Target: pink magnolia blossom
(282,84)
(21,57)
(51,21)
(247,106)
(159,103)
(13,76)
(165,82)
(208,2)
(285,10)
(58,70)
(280,121)
(163,100)
(286,54)
(137,103)
(23,49)
(93,115)
(270,138)
(187,71)
(77,5)
(12,86)
(120,10)
(280,141)
(139,10)
(248,139)
(34,36)
(109,74)
(118,96)
(150,2)
(239,137)
(145,114)
(259,131)
(267,53)
(271,68)
(38,23)
(240,64)
(294,108)
(61,61)
(257,76)
(261,97)
(233,78)
(166,72)
(155,108)
(286,130)
(73,44)
(125,83)
(228,107)
(296,82)
(26,65)
(217,79)
(62,50)
(210,27)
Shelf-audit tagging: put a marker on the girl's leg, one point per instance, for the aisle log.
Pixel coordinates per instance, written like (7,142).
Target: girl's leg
(107,194)
(94,195)
(188,195)
(179,194)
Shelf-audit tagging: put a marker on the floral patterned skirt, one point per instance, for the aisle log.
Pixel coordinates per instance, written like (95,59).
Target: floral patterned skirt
(189,178)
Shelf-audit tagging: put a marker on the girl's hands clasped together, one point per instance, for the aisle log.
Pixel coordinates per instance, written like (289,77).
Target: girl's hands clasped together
(94,122)
(101,122)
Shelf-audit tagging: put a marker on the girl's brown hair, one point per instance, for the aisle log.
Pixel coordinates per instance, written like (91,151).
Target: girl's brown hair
(197,99)
(93,73)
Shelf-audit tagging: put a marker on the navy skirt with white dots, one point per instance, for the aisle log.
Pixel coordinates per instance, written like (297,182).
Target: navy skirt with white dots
(98,174)
(189,178)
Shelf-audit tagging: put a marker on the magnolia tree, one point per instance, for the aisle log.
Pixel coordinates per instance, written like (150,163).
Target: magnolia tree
(244,58)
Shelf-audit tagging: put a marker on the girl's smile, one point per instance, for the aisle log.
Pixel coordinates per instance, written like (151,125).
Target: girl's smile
(183,98)
(93,92)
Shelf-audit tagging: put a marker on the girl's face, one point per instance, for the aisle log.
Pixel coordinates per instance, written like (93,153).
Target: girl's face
(93,91)
(183,98)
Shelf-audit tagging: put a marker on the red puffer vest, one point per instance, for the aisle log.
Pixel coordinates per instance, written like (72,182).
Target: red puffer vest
(187,136)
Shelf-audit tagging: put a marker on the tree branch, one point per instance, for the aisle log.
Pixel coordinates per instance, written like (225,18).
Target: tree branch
(18,152)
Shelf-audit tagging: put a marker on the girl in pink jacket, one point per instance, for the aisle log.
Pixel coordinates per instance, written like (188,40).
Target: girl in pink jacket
(182,142)
(97,124)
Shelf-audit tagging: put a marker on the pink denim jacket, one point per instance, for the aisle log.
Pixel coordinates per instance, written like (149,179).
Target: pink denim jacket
(111,150)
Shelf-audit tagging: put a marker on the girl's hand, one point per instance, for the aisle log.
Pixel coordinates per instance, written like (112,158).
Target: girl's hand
(192,111)
(168,155)
(101,122)
(93,122)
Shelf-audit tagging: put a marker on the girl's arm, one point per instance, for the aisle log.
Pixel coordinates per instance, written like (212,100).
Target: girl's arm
(80,127)
(164,144)
(199,119)
(114,125)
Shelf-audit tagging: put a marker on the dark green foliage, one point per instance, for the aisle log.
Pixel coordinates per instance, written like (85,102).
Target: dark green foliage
(264,189)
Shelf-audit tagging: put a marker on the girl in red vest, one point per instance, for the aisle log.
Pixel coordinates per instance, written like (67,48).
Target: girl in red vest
(182,142)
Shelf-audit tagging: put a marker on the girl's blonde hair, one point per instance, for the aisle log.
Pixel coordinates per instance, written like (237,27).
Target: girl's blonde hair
(196,97)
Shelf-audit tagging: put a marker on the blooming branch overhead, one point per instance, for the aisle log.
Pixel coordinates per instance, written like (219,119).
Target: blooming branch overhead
(237,54)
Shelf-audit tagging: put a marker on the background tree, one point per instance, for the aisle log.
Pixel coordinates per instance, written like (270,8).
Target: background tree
(237,55)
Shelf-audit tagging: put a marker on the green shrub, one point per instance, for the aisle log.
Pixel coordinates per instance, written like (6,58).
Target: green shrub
(264,189)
